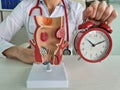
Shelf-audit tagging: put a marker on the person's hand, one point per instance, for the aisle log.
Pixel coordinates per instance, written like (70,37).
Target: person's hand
(100,12)
(25,55)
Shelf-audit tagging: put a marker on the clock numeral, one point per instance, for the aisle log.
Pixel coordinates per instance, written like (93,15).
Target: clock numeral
(96,54)
(85,54)
(95,35)
(103,46)
(101,52)
(83,49)
(90,55)
(100,37)
(83,43)
(90,35)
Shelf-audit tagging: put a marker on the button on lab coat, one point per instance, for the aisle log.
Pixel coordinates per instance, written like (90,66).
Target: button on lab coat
(20,17)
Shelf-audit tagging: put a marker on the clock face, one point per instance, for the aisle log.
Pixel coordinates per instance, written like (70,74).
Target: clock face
(95,45)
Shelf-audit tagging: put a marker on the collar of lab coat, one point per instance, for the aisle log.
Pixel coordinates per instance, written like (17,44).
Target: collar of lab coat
(61,4)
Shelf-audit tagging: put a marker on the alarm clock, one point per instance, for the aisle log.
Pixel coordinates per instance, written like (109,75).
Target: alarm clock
(93,43)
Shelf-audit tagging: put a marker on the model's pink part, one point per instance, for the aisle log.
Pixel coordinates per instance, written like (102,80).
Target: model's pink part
(44,36)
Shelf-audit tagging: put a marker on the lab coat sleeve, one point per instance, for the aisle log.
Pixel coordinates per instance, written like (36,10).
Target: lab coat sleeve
(79,15)
(10,26)
(78,10)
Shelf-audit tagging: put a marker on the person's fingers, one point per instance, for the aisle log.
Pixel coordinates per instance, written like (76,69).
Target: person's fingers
(100,10)
(94,5)
(107,13)
(112,17)
(27,55)
(87,13)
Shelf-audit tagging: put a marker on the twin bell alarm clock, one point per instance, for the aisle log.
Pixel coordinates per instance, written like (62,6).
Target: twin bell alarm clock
(93,43)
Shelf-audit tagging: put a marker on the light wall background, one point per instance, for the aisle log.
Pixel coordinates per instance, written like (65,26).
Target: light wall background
(21,36)
(116,31)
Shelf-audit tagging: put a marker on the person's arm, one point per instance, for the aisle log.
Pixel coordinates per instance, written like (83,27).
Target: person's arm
(23,54)
(8,28)
(79,15)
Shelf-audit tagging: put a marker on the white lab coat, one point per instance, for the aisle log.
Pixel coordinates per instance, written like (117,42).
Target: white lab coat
(20,15)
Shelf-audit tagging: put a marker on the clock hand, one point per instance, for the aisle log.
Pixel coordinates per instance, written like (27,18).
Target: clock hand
(99,42)
(93,45)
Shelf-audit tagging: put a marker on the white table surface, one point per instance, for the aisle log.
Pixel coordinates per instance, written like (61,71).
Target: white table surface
(81,74)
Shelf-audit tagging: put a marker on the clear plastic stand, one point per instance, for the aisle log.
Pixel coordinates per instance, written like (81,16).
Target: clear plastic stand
(47,76)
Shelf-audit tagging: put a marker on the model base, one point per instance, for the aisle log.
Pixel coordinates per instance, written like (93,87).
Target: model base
(40,77)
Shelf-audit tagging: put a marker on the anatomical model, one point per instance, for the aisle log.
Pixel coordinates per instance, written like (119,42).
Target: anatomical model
(49,40)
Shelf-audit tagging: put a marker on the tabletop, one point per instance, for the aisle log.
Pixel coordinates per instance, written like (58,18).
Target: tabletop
(82,75)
